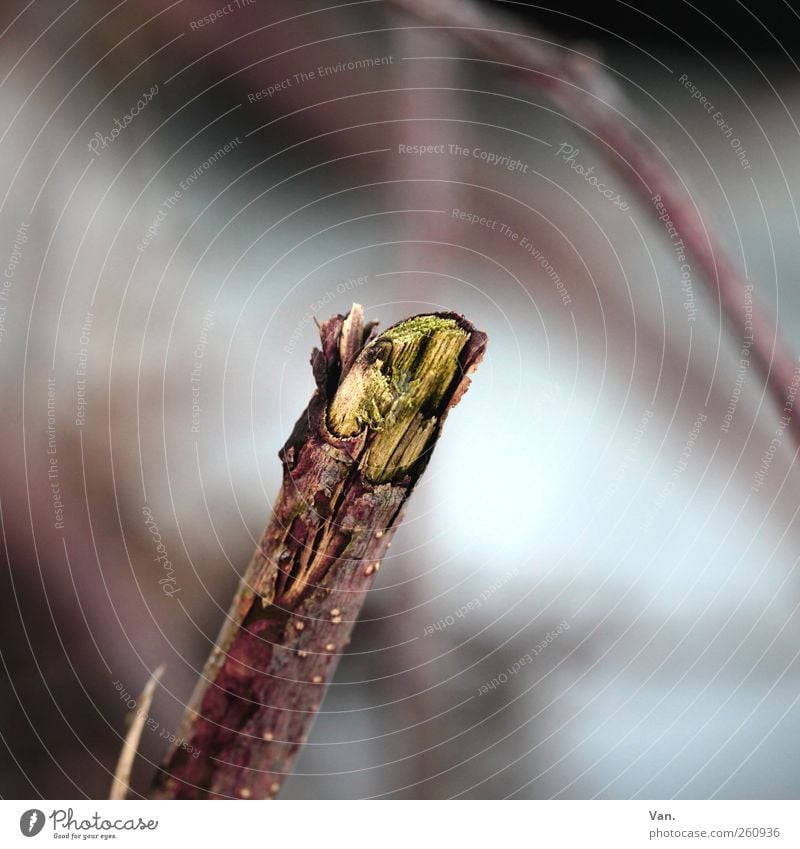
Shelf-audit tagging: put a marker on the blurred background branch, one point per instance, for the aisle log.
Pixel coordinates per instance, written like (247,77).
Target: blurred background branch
(576,79)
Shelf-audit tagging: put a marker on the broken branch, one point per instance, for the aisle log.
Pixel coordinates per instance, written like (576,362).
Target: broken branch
(353,459)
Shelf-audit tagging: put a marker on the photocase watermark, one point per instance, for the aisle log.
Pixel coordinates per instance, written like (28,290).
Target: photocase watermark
(719,119)
(569,154)
(476,219)
(677,470)
(194,378)
(471,605)
(517,665)
(66,825)
(318,73)
(52,458)
(9,272)
(212,17)
(785,420)
(744,360)
(317,306)
(531,249)
(31,822)
(152,723)
(186,183)
(168,582)
(81,369)
(183,186)
(100,141)
(505,230)
(680,255)
(496,160)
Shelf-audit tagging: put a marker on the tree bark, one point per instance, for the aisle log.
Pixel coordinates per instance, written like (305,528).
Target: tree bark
(351,462)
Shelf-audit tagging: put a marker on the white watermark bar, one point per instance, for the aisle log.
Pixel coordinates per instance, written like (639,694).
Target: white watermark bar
(334,824)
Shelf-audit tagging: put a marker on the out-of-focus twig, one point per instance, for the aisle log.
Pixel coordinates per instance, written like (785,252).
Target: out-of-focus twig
(122,774)
(588,95)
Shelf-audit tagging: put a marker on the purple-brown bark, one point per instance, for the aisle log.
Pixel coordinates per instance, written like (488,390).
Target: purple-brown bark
(295,608)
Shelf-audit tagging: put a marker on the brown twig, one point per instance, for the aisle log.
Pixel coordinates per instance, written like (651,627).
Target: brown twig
(590,97)
(122,774)
(351,462)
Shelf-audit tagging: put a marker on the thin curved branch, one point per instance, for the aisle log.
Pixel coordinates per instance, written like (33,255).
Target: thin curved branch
(590,96)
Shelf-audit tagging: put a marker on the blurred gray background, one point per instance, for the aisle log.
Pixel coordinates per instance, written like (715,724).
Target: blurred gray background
(157,318)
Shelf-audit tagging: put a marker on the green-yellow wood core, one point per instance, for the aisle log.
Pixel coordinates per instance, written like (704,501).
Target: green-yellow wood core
(397,387)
